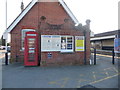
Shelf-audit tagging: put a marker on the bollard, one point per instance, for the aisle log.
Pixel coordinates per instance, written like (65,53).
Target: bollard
(94,56)
(6,58)
(16,58)
(113,55)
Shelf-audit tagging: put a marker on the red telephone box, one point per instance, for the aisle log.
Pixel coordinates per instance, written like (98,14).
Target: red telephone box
(31,49)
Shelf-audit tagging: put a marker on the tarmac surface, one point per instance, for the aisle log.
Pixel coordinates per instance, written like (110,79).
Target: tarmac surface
(102,75)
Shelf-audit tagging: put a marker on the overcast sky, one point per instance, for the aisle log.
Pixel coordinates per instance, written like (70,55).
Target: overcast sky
(102,13)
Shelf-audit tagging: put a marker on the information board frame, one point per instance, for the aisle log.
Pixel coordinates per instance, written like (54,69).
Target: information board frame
(117,45)
(50,43)
(79,43)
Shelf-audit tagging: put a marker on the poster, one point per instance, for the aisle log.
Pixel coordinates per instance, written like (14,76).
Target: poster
(117,45)
(50,42)
(79,43)
(56,43)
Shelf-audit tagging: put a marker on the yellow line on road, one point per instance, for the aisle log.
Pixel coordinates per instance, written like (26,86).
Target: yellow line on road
(62,85)
(106,56)
(52,82)
(115,69)
(94,76)
(103,79)
(64,82)
(107,73)
(103,55)
(108,68)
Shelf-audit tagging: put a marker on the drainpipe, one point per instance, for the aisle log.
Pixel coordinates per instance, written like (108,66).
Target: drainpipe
(85,47)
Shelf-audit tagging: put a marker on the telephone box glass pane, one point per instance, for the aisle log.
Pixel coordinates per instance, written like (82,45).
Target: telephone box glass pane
(31,45)
(31,34)
(31,57)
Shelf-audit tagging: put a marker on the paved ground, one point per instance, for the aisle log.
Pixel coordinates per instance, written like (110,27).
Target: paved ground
(102,75)
(2,53)
(1,61)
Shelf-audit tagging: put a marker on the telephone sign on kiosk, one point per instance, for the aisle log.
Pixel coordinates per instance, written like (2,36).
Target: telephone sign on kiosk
(31,49)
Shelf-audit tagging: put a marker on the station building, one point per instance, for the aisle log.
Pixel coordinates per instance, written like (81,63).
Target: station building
(59,39)
(105,40)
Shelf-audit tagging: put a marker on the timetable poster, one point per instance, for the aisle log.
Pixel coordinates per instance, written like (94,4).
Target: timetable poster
(50,42)
(56,43)
(45,42)
(79,43)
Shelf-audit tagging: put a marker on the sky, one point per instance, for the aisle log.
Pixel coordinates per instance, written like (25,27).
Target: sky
(102,13)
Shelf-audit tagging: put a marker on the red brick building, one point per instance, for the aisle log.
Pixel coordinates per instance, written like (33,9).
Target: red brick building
(55,25)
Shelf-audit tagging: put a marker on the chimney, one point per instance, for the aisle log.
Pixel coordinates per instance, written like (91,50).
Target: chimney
(22,6)
(88,23)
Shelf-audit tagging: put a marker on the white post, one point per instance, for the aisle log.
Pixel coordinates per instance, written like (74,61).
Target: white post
(6,34)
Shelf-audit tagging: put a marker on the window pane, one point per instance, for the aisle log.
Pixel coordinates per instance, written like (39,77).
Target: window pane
(63,39)
(69,39)
(67,43)
(69,46)
(31,57)
(63,43)
(23,35)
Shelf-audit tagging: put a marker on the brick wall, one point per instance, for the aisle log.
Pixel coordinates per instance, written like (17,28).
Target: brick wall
(55,15)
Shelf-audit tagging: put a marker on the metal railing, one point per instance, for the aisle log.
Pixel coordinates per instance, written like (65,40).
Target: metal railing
(96,51)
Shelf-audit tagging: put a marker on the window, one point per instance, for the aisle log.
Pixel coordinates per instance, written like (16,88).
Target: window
(23,36)
(66,43)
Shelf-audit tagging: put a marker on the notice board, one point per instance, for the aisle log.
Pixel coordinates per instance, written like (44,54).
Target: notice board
(79,43)
(117,45)
(50,42)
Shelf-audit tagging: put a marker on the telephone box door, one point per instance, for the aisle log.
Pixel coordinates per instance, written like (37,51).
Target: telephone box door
(31,49)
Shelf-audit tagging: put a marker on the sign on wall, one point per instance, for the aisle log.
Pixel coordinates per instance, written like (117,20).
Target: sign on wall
(79,43)
(50,42)
(117,45)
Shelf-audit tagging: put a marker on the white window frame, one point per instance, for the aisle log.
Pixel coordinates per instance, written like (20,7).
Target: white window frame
(23,31)
(67,50)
